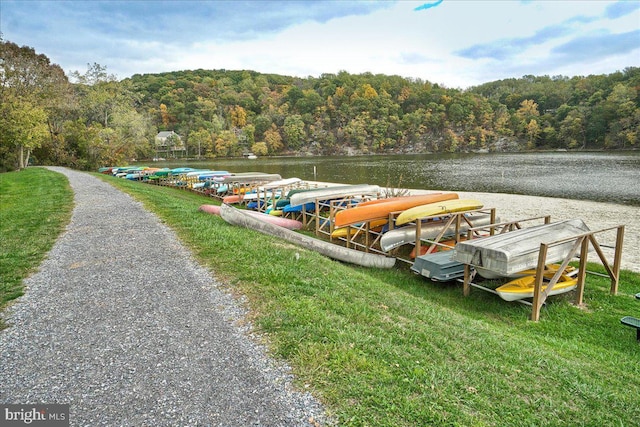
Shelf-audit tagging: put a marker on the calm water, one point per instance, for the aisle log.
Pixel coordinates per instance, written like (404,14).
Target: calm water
(608,177)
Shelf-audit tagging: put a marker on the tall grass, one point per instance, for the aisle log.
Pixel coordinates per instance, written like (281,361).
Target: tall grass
(35,206)
(389,348)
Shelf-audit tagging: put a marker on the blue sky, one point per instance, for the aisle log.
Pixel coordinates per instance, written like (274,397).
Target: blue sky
(457,43)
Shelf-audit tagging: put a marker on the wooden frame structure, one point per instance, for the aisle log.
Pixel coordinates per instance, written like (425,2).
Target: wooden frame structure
(581,243)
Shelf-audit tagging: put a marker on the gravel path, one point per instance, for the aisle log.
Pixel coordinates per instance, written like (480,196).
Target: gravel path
(121,323)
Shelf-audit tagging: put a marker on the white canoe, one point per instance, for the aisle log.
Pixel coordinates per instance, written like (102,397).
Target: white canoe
(252,177)
(333,193)
(404,235)
(281,183)
(241,218)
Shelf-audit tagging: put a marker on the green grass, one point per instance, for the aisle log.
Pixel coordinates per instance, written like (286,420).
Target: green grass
(389,348)
(35,206)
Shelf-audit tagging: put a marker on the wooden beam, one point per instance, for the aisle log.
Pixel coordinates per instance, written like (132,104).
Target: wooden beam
(537,300)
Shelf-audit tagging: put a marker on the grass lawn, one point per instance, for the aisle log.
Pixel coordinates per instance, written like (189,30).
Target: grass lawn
(389,348)
(35,206)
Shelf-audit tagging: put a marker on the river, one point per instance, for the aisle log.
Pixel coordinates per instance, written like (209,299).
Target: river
(612,177)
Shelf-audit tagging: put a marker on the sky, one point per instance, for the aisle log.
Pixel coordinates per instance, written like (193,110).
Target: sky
(455,43)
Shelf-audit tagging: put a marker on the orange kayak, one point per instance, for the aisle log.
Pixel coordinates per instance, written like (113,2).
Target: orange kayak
(382,209)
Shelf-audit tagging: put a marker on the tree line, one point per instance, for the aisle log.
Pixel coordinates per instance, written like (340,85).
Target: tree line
(92,119)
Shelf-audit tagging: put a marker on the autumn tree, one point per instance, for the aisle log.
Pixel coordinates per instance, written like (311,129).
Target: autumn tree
(31,88)
(201,140)
(294,132)
(273,139)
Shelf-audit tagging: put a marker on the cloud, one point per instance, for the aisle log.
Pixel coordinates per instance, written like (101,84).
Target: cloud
(505,48)
(595,46)
(414,58)
(621,8)
(428,5)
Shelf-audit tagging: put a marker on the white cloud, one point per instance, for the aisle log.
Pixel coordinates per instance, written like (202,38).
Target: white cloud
(456,43)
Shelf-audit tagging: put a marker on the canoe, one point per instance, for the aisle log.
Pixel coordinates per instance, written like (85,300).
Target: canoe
(241,218)
(261,195)
(232,198)
(366,211)
(304,190)
(393,199)
(212,209)
(332,193)
(280,183)
(290,224)
(251,177)
(429,230)
(523,287)
(307,207)
(213,175)
(287,223)
(509,253)
(375,225)
(439,208)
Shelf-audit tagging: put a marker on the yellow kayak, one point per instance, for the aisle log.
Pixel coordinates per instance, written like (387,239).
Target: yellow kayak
(438,208)
(523,287)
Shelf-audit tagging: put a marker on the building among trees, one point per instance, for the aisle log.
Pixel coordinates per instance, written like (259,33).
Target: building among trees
(170,143)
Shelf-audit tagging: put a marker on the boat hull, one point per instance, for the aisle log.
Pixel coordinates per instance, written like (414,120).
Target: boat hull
(370,211)
(523,287)
(287,223)
(240,218)
(332,193)
(439,208)
(404,235)
(509,253)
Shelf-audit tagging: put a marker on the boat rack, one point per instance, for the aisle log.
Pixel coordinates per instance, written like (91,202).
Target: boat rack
(363,237)
(233,185)
(581,242)
(366,237)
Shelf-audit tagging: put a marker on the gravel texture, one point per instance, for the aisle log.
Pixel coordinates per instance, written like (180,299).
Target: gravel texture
(123,324)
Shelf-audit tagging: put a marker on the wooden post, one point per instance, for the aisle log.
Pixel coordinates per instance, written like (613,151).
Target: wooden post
(418,234)
(466,286)
(367,238)
(537,303)
(617,259)
(582,272)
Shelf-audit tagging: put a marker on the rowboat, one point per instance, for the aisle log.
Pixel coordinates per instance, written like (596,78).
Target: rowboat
(438,266)
(330,193)
(290,224)
(429,230)
(366,211)
(512,252)
(439,208)
(523,287)
(241,218)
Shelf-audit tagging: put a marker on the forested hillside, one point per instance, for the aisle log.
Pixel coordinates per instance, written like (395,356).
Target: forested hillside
(227,112)
(97,119)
